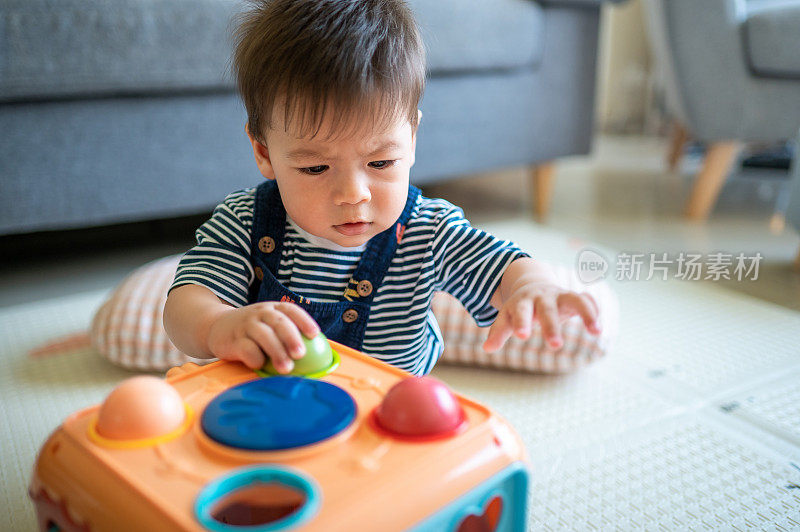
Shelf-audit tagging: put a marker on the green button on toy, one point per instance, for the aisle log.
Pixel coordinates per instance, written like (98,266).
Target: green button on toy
(318,361)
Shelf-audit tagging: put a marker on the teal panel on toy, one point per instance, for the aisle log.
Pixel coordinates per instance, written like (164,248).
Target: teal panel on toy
(499,504)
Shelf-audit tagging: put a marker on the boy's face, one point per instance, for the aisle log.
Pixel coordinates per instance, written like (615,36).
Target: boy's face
(345,190)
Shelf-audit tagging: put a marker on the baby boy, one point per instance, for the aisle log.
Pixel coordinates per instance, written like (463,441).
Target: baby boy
(336,239)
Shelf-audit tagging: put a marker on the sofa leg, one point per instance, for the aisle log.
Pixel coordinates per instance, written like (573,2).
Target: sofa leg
(777,223)
(718,161)
(542,188)
(677,144)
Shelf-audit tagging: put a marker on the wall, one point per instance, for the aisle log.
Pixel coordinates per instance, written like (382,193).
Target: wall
(625,102)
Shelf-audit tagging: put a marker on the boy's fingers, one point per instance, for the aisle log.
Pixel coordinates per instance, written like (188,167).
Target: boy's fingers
(301,319)
(250,354)
(499,332)
(286,331)
(581,304)
(587,296)
(569,304)
(290,337)
(547,314)
(521,317)
(594,325)
(268,341)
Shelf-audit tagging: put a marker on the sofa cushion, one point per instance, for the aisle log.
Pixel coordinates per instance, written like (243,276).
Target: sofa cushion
(772,38)
(100,47)
(83,48)
(468,35)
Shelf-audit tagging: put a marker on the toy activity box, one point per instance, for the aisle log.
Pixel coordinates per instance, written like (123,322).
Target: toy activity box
(345,442)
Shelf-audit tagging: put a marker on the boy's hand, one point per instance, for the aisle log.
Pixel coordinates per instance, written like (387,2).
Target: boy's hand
(270,329)
(546,303)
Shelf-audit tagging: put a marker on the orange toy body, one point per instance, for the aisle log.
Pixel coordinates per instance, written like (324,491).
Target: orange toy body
(362,477)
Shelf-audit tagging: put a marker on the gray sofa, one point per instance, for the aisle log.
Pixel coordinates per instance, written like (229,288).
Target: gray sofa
(119,110)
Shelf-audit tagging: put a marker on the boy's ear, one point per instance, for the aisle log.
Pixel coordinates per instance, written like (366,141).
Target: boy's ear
(261,154)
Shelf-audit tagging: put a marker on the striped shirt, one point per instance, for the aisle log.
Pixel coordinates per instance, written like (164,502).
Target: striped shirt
(439,250)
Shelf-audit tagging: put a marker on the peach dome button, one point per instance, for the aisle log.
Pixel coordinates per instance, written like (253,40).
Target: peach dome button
(140,407)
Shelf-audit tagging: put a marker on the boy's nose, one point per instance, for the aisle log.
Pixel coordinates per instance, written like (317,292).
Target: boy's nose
(352,190)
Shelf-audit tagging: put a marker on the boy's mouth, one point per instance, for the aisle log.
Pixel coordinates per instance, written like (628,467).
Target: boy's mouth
(352,229)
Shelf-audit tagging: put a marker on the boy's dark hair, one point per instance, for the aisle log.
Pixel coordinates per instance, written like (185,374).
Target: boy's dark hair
(364,57)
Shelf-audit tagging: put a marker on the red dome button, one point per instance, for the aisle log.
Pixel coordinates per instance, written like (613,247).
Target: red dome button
(420,408)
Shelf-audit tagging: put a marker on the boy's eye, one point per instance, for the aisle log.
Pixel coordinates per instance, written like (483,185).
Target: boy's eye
(381,164)
(314,170)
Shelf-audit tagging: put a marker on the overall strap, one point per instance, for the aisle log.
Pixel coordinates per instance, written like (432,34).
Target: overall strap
(269,225)
(379,254)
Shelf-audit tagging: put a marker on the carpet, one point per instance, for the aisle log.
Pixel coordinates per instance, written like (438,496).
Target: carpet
(692,422)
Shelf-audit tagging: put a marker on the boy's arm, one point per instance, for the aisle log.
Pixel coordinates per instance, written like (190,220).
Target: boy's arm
(188,314)
(218,269)
(203,326)
(529,291)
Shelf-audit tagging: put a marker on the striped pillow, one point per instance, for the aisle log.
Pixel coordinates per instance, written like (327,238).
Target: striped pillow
(128,330)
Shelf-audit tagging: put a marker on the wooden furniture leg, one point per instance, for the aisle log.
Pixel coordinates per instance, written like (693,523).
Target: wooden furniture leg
(718,161)
(777,223)
(797,261)
(542,188)
(677,144)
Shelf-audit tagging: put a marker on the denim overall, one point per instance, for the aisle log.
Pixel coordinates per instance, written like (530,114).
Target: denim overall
(345,320)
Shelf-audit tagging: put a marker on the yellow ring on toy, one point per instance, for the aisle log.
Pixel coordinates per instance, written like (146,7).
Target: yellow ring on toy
(141,442)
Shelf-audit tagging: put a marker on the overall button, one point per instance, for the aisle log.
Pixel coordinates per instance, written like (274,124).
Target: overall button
(266,244)
(350,315)
(259,273)
(364,288)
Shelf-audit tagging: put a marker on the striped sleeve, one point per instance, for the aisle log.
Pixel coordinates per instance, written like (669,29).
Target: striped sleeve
(221,259)
(470,263)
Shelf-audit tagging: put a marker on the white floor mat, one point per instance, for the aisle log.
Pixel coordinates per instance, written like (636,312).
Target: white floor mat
(693,422)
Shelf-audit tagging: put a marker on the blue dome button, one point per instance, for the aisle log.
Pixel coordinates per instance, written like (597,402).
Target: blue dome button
(278,413)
